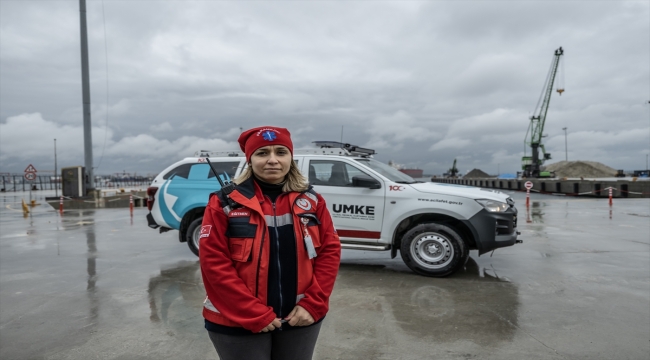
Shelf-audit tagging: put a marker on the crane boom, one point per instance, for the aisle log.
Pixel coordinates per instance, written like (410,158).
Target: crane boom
(453,170)
(531,164)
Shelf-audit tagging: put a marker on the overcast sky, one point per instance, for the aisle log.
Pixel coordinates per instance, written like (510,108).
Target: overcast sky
(421,82)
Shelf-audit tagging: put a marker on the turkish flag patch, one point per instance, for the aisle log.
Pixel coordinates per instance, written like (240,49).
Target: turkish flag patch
(205,231)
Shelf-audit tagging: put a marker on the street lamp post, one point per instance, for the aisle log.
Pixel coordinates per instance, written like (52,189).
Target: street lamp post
(566,151)
(56,184)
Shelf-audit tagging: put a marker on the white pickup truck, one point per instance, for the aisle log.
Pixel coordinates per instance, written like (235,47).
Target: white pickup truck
(373,205)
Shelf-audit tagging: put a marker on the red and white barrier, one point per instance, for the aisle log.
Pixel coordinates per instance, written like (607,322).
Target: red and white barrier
(527,197)
(131,204)
(61,204)
(610,196)
(528,185)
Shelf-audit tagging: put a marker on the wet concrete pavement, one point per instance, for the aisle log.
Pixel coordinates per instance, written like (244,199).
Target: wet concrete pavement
(98,284)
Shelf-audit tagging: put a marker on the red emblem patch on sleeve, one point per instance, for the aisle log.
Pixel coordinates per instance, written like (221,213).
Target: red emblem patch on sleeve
(205,231)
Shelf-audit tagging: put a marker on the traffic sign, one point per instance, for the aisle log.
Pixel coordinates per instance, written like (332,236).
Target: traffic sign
(30,169)
(528,185)
(30,176)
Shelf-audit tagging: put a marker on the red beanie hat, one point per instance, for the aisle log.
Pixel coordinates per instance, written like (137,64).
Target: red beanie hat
(253,139)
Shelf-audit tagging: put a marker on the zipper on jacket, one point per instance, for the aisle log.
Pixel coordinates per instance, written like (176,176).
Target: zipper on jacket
(259,263)
(277,242)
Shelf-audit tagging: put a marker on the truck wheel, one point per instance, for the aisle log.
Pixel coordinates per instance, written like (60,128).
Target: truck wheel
(433,250)
(192,235)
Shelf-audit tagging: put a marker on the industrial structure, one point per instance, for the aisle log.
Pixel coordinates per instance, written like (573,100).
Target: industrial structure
(452,172)
(532,165)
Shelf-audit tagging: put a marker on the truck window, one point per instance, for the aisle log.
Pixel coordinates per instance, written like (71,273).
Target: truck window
(332,173)
(202,171)
(221,168)
(181,171)
(388,171)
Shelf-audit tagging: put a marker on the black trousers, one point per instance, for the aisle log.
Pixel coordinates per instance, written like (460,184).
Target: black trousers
(295,344)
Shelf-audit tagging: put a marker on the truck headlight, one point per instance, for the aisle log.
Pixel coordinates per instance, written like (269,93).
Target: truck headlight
(493,205)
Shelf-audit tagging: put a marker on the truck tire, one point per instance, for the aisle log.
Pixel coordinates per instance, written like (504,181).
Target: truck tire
(192,235)
(433,249)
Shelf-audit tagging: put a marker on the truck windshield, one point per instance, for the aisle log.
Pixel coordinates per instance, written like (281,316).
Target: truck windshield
(388,171)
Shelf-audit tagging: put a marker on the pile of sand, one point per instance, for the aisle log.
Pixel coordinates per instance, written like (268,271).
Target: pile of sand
(475,174)
(576,169)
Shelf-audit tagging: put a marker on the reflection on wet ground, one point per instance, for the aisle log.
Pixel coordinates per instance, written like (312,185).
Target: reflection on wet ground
(473,305)
(74,219)
(176,295)
(100,284)
(415,303)
(535,213)
(92,274)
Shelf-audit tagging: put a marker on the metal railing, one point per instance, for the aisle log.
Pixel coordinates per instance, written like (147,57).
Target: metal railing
(46,182)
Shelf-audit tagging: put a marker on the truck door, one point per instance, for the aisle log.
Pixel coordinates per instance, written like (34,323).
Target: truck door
(357,212)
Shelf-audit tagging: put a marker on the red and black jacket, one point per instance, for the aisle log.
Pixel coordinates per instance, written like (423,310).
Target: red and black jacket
(235,251)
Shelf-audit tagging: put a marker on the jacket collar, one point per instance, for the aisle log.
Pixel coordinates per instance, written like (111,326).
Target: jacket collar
(249,194)
(248,188)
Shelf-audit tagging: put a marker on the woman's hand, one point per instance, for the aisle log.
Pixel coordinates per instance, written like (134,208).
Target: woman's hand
(272,326)
(299,317)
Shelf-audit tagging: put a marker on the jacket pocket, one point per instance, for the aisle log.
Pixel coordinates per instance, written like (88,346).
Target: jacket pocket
(241,230)
(240,234)
(240,249)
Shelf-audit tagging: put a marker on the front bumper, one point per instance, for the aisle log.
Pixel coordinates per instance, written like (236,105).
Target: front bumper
(493,230)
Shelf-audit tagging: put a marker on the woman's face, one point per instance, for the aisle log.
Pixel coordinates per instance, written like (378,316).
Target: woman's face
(271,163)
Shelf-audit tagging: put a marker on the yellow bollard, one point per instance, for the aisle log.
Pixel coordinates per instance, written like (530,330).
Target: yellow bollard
(25,208)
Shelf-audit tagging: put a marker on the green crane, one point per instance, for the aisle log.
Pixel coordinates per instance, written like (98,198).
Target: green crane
(531,165)
(453,171)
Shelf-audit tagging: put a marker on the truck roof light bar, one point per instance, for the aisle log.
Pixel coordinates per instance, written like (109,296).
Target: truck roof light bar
(208,153)
(340,152)
(351,149)
(326,148)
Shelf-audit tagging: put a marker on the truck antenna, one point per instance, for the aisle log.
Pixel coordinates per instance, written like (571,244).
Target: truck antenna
(227,189)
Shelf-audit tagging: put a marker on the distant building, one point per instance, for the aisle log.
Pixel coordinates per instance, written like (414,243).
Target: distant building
(414,173)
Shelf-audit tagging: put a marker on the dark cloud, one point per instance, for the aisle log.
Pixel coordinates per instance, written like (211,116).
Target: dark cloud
(422,82)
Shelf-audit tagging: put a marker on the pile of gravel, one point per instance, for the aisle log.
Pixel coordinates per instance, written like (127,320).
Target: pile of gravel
(475,174)
(576,169)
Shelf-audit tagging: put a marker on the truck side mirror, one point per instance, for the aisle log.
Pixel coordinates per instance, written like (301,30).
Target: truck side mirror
(365,182)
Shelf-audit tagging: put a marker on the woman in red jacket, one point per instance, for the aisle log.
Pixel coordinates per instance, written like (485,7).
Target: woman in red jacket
(270,261)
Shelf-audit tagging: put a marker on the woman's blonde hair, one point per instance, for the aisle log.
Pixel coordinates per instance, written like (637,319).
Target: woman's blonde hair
(293,181)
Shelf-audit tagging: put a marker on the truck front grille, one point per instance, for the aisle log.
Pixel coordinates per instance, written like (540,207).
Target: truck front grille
(503,227)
